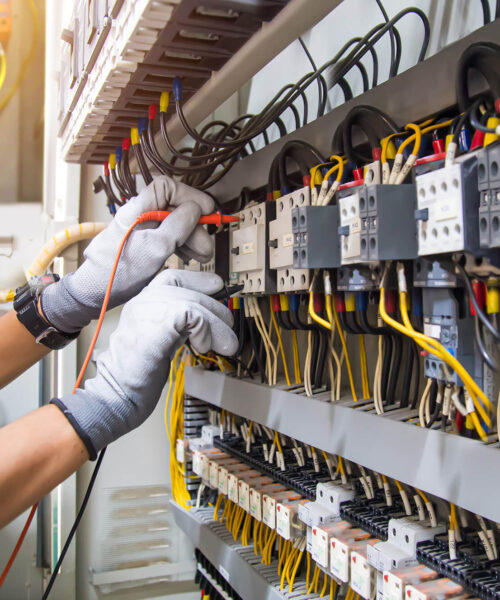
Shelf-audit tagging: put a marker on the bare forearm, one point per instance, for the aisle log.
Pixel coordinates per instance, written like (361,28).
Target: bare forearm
(18,349)
(38,451)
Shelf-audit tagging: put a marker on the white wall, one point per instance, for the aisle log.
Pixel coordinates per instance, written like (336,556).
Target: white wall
(449,20)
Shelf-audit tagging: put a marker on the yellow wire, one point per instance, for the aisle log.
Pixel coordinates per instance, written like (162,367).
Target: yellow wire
(217,507)
(280,341)
(315,316)
(256,527)
(416,137)
(3,66)
(331,310)
(313,172)
(27,59)
(412,137)
(364,367)
(325,582)
(333,588)
(339,166)
(277,442)
(422,495)
(308,572)
(315,576)
(453,517)
(296,359)
(438,350)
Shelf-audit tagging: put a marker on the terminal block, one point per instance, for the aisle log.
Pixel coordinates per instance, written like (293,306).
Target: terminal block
(281,243)
(315,241)
(377,223)
(488,174)
(248,261)
(448,209)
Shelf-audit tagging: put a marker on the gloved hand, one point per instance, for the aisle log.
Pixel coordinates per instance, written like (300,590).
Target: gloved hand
(74,301)
(132,372)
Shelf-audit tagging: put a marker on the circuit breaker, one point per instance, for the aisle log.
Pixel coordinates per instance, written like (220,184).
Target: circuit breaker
(488,174)
(377,223)
(316,240)
(289,278)
(447,209)
(248,262)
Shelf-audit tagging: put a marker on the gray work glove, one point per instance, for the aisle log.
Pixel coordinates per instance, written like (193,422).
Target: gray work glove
(132,372)
(73,302)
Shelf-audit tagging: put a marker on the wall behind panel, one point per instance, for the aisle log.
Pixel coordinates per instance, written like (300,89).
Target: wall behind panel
(449,20)
(21,122)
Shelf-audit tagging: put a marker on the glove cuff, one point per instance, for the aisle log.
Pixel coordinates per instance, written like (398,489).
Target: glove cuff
(62,310)
(76,426)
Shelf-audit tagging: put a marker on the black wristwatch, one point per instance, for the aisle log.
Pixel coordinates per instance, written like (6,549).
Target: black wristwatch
(26,307)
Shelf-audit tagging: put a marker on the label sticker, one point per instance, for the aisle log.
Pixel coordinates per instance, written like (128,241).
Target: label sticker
(247,248)
(197,462)
(232,487)
(244,496)
(283,526)
(288,240)
(319,545)
(362,576)
(433,331)
(205,468)
(255,504)
(179,450)
(339,560)
(222,482)
(269,511)
(214,475)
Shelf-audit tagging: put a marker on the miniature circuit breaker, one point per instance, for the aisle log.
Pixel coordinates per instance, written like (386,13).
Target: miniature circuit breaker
(377,223)
(281,243)
(488,174)
(315,241)
(447,210)
(248,260)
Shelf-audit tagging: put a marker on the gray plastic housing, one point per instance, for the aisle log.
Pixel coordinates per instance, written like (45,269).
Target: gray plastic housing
(315,237)
(488,174)
(384,224)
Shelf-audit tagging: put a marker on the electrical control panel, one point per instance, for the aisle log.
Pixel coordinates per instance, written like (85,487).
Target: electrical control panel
(377,223)
(448,209)
(248,263)
(281,243)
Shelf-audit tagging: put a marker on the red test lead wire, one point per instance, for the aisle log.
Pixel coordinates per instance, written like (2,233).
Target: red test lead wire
(212,219)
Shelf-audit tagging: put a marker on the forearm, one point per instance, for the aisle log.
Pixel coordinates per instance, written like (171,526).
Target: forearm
(39,451)
(18,349)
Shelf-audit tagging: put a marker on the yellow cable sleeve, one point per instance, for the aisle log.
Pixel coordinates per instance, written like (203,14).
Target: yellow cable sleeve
(280,341)
(332,310)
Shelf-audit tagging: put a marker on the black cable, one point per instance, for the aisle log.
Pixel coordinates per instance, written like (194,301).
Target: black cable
(395,367)
(480,344)
(407,371)
(391,33)
(127,175)
(256,349)
(472,297)
(416,376)
(141,161)
(386,366)
(72,532)
(118,183)
(497,10)
(486,11)
(320,86)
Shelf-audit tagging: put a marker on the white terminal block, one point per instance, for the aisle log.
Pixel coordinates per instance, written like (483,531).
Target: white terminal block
(350,245)
(280,243)
(331,495)
(247,242)
(209,432)
(288,525)
(406,533)
(439,194)
(313,514)
(100,62)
